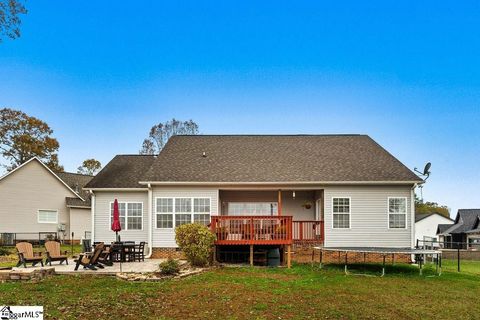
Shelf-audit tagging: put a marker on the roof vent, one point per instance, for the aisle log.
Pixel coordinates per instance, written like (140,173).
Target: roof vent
(204,154)
(77,189)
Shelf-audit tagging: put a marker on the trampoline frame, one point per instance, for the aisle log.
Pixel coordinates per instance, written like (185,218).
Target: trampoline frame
(384,252)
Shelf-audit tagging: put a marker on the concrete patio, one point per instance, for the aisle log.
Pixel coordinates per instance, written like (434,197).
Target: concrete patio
(149,265)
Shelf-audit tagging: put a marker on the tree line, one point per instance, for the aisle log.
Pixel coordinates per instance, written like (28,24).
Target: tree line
(23,137)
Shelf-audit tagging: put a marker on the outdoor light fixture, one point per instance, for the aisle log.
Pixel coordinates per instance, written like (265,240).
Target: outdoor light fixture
(293,194)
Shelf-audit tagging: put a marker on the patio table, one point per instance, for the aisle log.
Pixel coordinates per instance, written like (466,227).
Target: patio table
(121,248)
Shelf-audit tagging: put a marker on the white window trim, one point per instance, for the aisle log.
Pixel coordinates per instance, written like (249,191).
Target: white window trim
(239,201)
(192,212)
(349,213)
(52,210)
(126,214)
(406,213)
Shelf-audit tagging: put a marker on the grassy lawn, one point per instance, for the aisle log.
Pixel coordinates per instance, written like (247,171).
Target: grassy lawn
(11,259)
(257,293)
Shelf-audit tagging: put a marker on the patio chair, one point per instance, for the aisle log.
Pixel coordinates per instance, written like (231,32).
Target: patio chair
(106,256)
(129,250)
(139,252)
(52,249)
(26,255)
(87,245)
(90,260)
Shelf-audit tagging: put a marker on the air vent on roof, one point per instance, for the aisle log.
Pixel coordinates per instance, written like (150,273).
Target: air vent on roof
(204,154)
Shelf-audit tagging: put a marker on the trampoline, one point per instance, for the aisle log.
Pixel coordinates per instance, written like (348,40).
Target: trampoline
(419,254)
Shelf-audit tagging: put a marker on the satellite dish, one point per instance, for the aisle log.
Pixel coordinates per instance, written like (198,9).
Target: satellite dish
(426,171)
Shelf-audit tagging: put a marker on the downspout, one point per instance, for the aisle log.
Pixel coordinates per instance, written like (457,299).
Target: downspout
(92,208)
(150,223)
(412,215)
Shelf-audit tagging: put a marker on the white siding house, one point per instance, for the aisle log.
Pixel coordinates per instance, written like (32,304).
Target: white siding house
(426,225)
(333,190)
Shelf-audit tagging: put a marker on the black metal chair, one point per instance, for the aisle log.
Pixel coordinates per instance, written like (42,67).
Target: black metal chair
(139,252)
(129,250)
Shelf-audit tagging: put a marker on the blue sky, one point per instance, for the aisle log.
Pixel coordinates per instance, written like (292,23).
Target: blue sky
(408,74)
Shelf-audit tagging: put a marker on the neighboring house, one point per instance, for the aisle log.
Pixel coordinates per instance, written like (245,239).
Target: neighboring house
(335,190)
(37,202)
(426,226)
(464,233)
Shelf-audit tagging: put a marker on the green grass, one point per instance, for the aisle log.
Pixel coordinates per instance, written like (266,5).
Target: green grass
(11,259)
(258,293)
(466,266)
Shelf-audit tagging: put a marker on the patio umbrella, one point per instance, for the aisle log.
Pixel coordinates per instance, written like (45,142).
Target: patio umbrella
(116,219)
(116,226)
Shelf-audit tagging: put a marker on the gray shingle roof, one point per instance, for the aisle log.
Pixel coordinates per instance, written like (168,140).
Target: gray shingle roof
(76,202)
(465,221)
(76,181)
(421,216)
(443,227)
(123,171)
(276,158)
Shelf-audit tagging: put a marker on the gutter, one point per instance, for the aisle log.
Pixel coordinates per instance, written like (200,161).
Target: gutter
(150,223)
(275,183)
(93,215)
(412,197)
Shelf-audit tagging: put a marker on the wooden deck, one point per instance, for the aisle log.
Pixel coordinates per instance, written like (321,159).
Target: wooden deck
(265,230)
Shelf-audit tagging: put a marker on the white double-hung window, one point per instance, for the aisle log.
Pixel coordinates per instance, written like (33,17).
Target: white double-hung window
(47,216)
(131,215)
(397,213)
(341,213)
(183,211)
(174,212)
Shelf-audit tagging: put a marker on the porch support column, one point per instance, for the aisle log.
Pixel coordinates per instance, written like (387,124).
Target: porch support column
(279,202)
(289,256)
(251,255)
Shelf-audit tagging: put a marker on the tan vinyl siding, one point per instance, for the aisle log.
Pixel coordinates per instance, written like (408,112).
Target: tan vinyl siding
(24,192)
(369,217)
(103,230)
(80,221)
(165,238)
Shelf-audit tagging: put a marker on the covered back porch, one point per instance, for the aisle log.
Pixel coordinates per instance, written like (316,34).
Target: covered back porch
(279,218)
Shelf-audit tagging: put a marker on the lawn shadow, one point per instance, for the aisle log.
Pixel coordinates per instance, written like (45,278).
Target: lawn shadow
(375,269)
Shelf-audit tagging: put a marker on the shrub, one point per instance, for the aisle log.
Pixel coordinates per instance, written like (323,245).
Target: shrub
(4,251)
(169,267)
(196,241)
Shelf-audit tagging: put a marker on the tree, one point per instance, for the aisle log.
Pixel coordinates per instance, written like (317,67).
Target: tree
(23,137)
(10,11)
(430,207)
(89,167)
(160,133)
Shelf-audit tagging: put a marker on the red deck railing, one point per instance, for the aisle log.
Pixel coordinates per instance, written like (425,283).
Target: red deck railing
(308,231)
(252,230)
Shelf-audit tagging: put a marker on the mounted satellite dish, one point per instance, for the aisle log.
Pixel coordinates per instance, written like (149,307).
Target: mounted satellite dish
(426,171)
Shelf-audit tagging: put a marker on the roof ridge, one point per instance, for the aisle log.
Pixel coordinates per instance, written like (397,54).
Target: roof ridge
(135,155)
(75,173)
(273,135)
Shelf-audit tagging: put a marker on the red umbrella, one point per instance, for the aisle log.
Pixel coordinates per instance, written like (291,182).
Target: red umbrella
(116,219)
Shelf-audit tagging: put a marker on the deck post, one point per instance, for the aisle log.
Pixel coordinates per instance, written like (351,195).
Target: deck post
(251,255)
(289,256)
(279,209)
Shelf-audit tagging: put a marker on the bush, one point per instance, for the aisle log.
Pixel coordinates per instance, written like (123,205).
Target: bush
(169,267)
(196,241)
(4,251)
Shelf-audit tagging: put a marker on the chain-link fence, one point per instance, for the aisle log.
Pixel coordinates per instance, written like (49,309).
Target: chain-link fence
(456,256)
(37,238)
